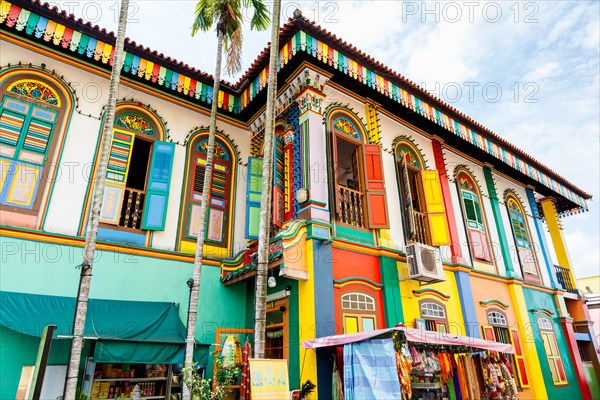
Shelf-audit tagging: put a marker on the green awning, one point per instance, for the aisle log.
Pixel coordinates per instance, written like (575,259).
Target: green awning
(127,331)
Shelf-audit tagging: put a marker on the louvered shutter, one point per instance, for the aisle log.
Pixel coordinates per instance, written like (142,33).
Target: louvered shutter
(116,176)
(436,211)
(278,182)
(519,358)
(253,197)
(407,200)
(375,185)
(157,193)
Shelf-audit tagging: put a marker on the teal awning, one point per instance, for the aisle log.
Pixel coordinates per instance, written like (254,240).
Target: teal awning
(127,331)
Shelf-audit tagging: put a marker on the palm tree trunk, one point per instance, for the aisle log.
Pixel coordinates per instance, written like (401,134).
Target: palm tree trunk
(93,222)
(190,340)
(260,306)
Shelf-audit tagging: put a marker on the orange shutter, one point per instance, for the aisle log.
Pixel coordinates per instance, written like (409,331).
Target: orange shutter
(376,200)
(519,358)
(436,211)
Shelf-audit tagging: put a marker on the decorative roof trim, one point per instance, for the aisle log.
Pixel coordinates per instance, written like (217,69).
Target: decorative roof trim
(431,292)
(356,280)
(181,78)
(494,302)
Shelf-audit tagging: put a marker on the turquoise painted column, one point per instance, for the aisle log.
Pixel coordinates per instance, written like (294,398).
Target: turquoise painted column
(489,180)
(539,228)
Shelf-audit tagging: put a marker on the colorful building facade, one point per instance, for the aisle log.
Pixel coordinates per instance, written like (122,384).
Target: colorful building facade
(389,206)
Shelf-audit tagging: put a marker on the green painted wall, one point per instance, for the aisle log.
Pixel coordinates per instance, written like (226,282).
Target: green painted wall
(593,382)
(49,269)
(536,300)
(18,350)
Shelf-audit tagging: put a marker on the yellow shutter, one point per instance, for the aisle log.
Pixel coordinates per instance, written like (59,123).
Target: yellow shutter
(436,212)
(350,324)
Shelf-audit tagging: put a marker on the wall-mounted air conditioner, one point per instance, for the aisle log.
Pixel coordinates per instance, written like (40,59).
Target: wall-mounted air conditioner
(424,263)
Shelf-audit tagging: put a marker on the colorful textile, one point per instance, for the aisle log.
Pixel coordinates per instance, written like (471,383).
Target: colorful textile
(370,371)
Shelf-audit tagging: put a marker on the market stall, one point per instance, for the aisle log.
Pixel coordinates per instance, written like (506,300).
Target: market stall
(417,364)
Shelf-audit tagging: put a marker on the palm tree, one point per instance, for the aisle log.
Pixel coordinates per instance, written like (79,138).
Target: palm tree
(229,19)
(260,300)
(93,222)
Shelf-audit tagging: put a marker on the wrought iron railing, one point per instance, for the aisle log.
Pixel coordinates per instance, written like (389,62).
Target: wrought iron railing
(132,209)
(350,206)
(420,221)
(563,275)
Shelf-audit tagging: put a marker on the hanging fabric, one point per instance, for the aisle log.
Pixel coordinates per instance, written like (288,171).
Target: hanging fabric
(245,385)
(337,389)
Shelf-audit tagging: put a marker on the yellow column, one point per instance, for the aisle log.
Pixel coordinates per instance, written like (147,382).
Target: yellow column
(307,320)
(555,228)
(538,388)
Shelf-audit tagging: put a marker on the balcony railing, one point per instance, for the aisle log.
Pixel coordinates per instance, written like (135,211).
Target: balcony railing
(349,208)
(420,221)
(132,209)
(563,275)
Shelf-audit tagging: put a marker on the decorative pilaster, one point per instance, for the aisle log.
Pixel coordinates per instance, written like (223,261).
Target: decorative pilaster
(491,187)
(555,228)
(440,165)
(539,228)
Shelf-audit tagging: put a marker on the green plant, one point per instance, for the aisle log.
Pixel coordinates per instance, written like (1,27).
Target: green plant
(225,377)
(201,389)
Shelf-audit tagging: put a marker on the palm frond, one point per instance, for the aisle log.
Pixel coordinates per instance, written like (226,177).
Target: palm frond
(203,16)
(261,17)
(234,52)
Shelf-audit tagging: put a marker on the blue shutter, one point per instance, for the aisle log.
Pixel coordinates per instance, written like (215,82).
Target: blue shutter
(157,193)
(253,196)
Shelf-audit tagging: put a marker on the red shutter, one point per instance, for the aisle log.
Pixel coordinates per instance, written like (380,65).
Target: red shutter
(376,200)
(519,358)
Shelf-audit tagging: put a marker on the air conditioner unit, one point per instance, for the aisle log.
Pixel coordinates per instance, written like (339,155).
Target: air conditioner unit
(424,263)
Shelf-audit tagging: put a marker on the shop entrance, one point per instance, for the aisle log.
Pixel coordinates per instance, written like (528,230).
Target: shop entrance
(276,346)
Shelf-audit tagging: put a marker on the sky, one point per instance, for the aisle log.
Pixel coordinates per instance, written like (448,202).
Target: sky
(529,70)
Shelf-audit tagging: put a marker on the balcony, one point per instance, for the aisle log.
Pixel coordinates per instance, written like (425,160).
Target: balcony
(563,275)
(349,207)
(420,221)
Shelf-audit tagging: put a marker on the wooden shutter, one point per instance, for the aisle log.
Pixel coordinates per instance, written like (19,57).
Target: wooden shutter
(289,181)
(253,196)
(157,193)
(519,358)
(116,176)
(278,182)
(488,334)
(436,211)
(376,199)
(407,200)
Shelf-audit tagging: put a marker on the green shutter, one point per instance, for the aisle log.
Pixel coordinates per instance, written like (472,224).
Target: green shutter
(253,196)
(157,195)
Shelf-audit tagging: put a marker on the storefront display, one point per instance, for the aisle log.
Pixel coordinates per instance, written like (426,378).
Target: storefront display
(112,381)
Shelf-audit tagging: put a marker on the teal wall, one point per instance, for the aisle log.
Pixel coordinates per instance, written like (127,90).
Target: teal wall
(19,350)
(535,300)
(49,269)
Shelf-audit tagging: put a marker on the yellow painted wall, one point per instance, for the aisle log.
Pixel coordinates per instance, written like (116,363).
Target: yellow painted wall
(410,302)
(593,282)
(307,320)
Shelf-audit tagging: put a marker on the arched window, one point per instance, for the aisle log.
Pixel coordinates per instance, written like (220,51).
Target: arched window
(138,176)
(220,204)
(520,229)
(433,316)
(357,172)
(497,319)
(359,312)
(358,301)
(557,368)
(34,112)
(421,197)
(473,215)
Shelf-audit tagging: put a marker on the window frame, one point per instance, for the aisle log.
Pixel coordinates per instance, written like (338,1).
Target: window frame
(439,323)
(524,230)
(549,342)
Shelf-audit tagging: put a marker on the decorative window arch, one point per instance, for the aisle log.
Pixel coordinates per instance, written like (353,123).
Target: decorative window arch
(497,318)
(522,236)
(35,110)
(138,176)
(433,316)
(358,301)
(359,312)
(357,170)
(555,362)
(222,191)
(475,222)
(421,197)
